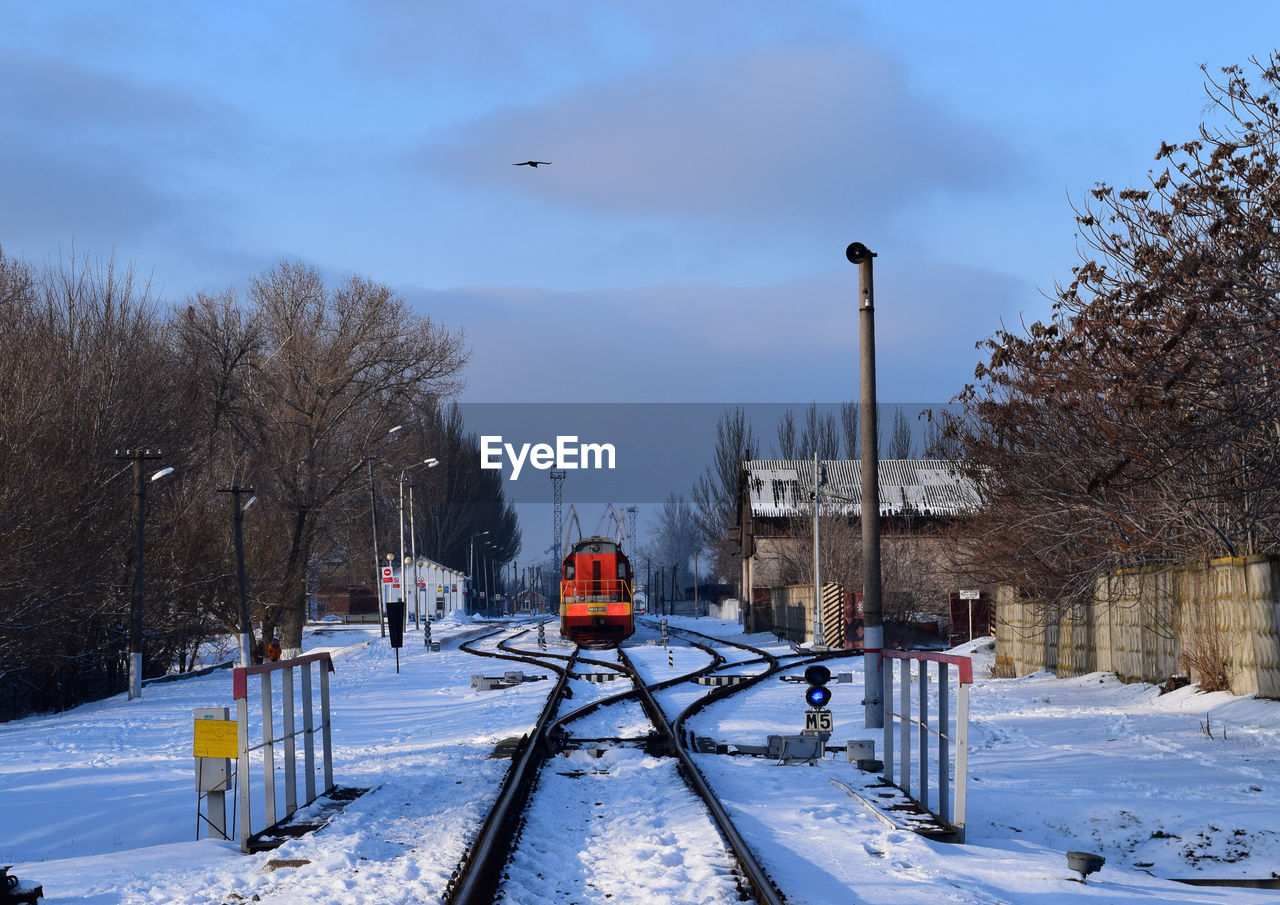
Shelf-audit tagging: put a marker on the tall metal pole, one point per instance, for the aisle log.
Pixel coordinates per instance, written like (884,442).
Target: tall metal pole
(377,566)
(818,640)
(403,576)
(471,573)
(135,604)
(696,610)
(246,630)
(872,610)
(413,555)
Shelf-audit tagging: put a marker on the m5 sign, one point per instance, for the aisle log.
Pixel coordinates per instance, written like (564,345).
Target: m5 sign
(818,721)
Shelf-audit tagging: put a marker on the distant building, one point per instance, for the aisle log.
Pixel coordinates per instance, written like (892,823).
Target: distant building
(531,600)
(354,603)
(918,497)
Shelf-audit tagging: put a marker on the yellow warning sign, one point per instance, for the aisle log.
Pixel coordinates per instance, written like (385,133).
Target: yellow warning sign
(216,738)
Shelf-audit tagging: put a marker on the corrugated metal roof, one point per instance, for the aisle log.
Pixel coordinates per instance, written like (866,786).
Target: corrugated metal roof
(907,486)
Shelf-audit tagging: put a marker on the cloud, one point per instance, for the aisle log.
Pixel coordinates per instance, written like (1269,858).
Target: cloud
(79,103)
(791,340)
(796,131)
(101,160)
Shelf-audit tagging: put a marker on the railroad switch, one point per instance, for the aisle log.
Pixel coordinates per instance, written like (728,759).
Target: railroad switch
(508,679)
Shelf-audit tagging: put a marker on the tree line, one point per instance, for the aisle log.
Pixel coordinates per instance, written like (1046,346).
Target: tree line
(316,395)
(1140,423)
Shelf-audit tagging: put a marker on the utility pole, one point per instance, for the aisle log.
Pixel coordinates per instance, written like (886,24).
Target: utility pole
(377,566)
(135,605)
(413,555)
(696,610)
(818,640)
(246,630)
(872,611)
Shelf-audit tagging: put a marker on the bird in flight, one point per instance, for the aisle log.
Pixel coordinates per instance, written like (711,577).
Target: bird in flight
(533,163)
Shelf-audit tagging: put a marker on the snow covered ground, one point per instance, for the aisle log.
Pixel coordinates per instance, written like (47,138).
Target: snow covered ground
(98,804)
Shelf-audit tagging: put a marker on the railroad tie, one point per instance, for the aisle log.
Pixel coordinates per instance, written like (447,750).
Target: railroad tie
(719,680)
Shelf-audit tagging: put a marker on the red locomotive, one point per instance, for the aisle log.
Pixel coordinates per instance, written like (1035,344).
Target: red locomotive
(595,593)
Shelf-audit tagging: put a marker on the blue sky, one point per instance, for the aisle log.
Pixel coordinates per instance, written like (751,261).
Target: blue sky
(710,163)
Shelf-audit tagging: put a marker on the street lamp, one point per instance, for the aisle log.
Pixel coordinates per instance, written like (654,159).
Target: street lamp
(139,517)
(872,608)
(237,513)
(373,515)
(430,463)
(471,569)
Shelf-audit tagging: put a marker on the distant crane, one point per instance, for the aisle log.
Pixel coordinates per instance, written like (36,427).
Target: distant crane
(617,522)
(568,544)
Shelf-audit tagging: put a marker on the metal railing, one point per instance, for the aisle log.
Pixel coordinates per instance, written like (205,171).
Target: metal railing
(287,739)
(589,590)
(949,804)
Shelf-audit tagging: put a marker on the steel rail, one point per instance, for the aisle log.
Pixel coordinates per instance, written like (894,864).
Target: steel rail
(476,879)
(556,729)
(535,659)
(761,884)
(507,645)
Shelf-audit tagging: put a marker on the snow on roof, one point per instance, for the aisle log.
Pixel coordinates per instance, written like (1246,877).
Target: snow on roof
(907,486)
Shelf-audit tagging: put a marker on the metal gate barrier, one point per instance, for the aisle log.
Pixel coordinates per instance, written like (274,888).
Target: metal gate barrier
(948,802)
(287,739)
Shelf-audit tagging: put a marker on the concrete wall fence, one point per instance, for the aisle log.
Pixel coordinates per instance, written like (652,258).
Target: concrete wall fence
(1141,623)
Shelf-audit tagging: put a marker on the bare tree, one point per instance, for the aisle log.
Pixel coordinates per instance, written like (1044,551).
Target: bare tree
(820,435)
(899,439)
(787,436)
(83,375)
(849,415)
(715,494)
(674,538)
(306,384)
(1140,424)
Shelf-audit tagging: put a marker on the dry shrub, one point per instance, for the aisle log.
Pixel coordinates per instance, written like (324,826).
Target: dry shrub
(1002,669)
(1208,660)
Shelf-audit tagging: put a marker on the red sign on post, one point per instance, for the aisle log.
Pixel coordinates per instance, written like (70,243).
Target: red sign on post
(386,575)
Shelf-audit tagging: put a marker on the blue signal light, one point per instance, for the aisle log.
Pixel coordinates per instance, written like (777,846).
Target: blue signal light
(817,696)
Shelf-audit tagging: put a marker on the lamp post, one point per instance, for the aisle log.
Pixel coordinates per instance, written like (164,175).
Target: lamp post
(471,571)
(404,561)
(373,515)
(818,641)
(139,517)
(484,570)
(238,511)
(872,612)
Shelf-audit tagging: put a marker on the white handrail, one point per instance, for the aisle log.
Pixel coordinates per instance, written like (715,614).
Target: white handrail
(951,798)
(288,738)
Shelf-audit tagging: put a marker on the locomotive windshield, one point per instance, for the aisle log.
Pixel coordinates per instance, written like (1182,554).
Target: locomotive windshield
(595,545)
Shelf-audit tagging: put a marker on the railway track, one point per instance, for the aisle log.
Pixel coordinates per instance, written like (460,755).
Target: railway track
(575,766)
